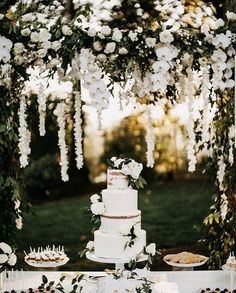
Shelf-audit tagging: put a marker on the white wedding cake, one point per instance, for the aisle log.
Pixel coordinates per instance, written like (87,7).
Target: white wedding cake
(120,234)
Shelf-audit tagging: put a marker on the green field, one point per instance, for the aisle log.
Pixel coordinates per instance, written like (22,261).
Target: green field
(172,215)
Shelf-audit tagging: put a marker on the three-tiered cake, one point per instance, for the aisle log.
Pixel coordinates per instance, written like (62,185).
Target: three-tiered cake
(120,215)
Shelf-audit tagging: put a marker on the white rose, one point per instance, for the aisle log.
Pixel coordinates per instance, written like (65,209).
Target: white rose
(118,162)
(44,35)
(25,32)
(101,57)
(19,60)
(230,15)
(133,36)
(110,47)
(97,46)
(97,208)
(12,259)
(66,30)
(54,62)
(90,245)
(117,35)
(3,258)
(28,17)
(124,230)
(166,37)
(18,48)
(92,32)
(34,36)
(151,249)
(56,45)
(42,53)
(5,248)
(94,198)
(105,30)
(150,42)
(135,169)
(123,51)
(113,159)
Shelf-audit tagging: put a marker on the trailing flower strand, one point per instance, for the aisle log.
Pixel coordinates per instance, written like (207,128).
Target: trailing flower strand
(24,133)
(78,132)
(150,139)
(60,113)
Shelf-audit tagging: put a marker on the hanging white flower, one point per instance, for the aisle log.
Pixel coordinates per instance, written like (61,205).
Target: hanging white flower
(221,172)
(60,113)
(24,133)
(78,131)
(150,138)
(166,37)
(42,109)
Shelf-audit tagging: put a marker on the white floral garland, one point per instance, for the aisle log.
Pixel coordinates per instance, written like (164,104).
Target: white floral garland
(93,81)
(60,113)
(42,98)
(150,139)
(24,133)
(192,160)
(78,132)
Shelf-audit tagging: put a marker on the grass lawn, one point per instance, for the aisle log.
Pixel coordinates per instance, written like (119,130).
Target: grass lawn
(172,214)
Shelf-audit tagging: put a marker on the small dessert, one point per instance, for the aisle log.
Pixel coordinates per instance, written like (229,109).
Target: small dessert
(231,262)
(47,255)
(185,258)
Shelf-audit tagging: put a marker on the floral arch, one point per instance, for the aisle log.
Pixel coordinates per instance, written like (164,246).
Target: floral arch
(157,52)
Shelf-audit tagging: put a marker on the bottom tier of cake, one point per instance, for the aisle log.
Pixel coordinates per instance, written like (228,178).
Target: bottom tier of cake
(114,246)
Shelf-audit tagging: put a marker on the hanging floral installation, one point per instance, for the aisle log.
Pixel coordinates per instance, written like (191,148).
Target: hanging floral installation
(161,50)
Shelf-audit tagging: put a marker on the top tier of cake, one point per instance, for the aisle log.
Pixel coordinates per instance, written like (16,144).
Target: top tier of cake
(117,180)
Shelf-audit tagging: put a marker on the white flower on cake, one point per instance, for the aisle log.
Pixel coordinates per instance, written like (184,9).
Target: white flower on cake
(133,169)
(95,198)
(97,208)
(5,248)
(90,245)
(151,249)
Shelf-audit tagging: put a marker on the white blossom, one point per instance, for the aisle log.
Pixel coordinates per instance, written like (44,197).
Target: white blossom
(92,31)
(24,134)
(150,140)
(90,245)
(19,223)
(97,46)
(110,48)
(150,42)
(78,131)
(97,208)
(105,30)
(133,36)
(166,37)
(25,32)
(230,15)
(123,51)
(117,35)
(151,249)
(66,30)
(95,198)
(60,113)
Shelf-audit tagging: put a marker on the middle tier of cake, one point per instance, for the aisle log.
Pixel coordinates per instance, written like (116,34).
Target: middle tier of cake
(115,245)
(120,202)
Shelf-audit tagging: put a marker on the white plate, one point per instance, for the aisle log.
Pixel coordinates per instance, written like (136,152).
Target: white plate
(224,268)
(189,265)
(93,257)
(48,264)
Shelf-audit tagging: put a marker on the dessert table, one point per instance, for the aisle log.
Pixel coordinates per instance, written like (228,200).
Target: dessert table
(187,281)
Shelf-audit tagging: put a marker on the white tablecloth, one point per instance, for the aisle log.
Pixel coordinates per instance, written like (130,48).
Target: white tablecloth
(188,281)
